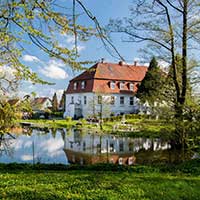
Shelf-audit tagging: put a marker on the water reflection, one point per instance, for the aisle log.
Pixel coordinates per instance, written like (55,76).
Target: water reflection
(90,147)
(35,146)
(38,145)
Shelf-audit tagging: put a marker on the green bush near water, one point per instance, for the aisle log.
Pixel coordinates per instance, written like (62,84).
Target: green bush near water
(44,182)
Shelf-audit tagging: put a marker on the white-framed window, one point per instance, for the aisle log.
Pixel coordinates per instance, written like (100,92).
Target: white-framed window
(121,85)
(72,99)
(111,147)
(99,99)
(85,100)
(112,85)
(75,85)
(121,146)
(112,100)
(83,85)
(121,100)
(131,102)
(131,86)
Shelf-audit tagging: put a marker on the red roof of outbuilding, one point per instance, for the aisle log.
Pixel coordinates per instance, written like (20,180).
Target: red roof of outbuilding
(98,77)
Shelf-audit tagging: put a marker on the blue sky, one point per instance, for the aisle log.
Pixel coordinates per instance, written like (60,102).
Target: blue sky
(54,71)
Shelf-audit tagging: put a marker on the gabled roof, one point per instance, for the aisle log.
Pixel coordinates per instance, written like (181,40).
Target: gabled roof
(113,71)
(13,102)
(38,102)
(98,78)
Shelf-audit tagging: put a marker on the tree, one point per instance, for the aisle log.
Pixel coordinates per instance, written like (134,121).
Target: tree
(55,103)
(8,116)
(62,101)
(151,86)
(39,23)
(169,28)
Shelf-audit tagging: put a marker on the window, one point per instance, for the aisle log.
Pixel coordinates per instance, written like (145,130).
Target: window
(75,85)
(111,147)
(98,148)
(121,100)
(83,85)
(121,85)
(72,100)
(112,100)
(130,146)
(121,146)
(131,101)
(85,100)
(84,146)
(131,86)
(112,85)
(99,99)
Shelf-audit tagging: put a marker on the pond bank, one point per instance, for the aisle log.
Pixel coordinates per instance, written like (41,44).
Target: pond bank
(136,127)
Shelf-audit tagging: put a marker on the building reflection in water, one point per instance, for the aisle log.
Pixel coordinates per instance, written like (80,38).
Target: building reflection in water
(91,147)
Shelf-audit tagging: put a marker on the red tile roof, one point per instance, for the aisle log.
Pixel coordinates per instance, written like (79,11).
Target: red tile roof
(38,102)
(98,78)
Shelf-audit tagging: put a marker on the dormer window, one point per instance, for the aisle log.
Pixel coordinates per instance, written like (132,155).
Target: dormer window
(121,85)
(131,86)
(83,85)
(112,85)
(75,85)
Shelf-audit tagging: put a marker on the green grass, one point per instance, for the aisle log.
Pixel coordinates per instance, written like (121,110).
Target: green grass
(101,182)
(58,123)
(145,127)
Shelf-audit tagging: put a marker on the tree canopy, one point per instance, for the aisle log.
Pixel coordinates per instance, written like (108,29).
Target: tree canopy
(35,22)
(151,86)
(55,103)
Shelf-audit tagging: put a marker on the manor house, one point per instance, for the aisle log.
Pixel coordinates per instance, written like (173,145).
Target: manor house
(104,89)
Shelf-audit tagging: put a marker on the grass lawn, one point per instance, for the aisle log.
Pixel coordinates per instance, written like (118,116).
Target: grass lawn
(129,183)
(145,127)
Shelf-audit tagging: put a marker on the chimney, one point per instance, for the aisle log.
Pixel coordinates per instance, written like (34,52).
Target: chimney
(121,62)
(135,63)
(102,60)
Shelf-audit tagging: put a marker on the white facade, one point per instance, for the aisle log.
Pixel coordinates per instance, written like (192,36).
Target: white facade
(92,104)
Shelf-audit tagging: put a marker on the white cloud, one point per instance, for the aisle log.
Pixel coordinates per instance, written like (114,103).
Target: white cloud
(163,65)
(69,38)
(54,70)
(52,146)
(27,157)
(28,144)
(69,41)
(30,58)
(80,48)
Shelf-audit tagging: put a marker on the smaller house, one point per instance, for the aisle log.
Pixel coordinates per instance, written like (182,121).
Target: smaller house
(40,104)
(14,102)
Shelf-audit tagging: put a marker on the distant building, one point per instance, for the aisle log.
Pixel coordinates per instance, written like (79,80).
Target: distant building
(40,104)
(14,102)
(105,86)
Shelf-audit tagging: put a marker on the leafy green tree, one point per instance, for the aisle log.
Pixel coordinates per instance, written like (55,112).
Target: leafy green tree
(151,86)
(55,103)
(62,101)
(168,28)
(8,116)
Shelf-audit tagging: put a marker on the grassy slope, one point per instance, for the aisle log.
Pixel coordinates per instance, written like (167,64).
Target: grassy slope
(130,183)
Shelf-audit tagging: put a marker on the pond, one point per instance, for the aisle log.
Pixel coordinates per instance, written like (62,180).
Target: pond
(38,145)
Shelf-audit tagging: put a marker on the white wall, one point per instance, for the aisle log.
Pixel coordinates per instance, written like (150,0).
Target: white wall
(92,106)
